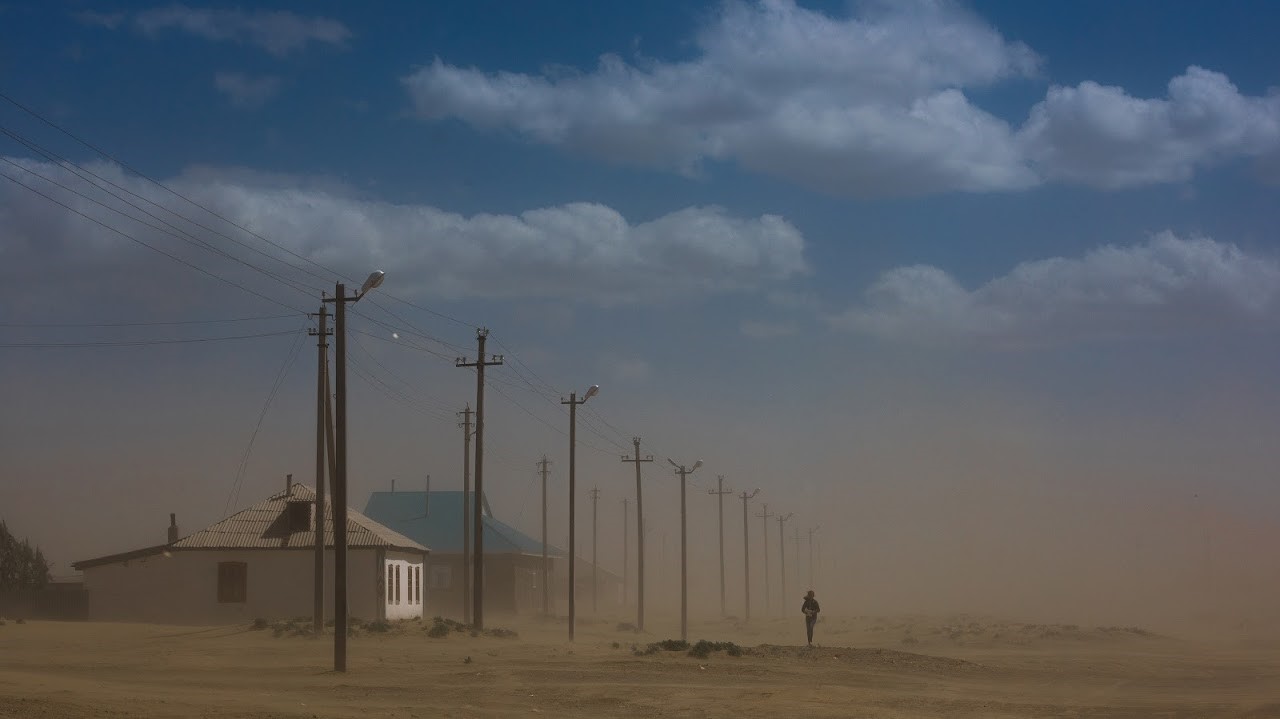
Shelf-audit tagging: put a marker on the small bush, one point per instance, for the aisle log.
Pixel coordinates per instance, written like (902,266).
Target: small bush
(703,649)
(616,645)
(20,620)
(1,622)
(259,624)
(381,626)
(673,645)
(501,633)
(438,630)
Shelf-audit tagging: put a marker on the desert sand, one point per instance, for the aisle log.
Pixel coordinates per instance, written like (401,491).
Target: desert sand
(863,667)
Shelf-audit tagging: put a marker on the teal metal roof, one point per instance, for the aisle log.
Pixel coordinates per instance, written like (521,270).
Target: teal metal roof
(434,519)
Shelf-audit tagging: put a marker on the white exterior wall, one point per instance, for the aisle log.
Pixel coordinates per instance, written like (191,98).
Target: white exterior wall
(412,598)
(182,588)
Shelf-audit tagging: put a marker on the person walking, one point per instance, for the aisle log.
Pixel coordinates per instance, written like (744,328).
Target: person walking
(810,609)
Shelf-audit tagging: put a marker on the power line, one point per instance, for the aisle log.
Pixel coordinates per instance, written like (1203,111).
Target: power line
(80,171)
(234,495)
(141,343)
(72,325)
(182,235)
(153,248)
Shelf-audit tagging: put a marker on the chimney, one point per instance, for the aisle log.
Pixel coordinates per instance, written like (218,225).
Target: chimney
(393,486)
(173,528)
(288,485)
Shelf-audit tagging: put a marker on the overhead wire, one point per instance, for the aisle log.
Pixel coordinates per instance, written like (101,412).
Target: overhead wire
(151,247)
(243,467)
(141,343)
(167,323)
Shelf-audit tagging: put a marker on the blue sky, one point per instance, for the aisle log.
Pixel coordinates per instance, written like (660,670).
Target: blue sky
(838,250)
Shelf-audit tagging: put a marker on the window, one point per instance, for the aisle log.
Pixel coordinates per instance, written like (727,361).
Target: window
(397,584)
(417,585)
(390,583)
(233,582)
(298,515)
(441,576)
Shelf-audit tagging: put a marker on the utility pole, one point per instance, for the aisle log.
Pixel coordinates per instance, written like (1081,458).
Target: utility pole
(782,560)
(797,548)
(811,533)
(684,547)
(719,493)
(746,553)
(626,551)
(595,564)
(322,393)
(573,403)
(340,615)
(466,513)
(477,515)
(546,578)
(765,515)
(637,459)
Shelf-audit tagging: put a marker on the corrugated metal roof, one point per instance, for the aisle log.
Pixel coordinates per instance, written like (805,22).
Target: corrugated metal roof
(265,526)
(437,523)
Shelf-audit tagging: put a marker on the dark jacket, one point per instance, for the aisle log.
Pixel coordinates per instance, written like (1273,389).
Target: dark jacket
(810,604)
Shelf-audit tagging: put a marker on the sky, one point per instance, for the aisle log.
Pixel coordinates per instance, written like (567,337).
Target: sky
(985,293)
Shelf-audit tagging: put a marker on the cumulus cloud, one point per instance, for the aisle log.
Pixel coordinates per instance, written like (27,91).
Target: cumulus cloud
(278,32)
(1101,136)
(1167,284)
(245,91)
(578,251)
(868,105)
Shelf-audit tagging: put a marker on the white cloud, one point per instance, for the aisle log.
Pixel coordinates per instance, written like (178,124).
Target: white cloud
(1170,283)
(1101,136)
(867,105)
(578,251)
(244,91)
(276,31)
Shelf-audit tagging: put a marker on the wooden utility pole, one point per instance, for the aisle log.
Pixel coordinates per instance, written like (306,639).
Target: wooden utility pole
(684,547)
(637,459)
(812,530)
(765,515)
(626,551)
(546,573)
(466,513)
(595,557)
(746,555)
(719,492)
(477,515)
(322,394)
(782,562)
(797,548)
(573,403)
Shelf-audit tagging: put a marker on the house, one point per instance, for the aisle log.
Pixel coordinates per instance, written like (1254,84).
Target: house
(258,562)
(512,559)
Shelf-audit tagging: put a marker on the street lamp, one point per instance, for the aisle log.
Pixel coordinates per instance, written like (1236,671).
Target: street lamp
(573,403)
(684,548)
(340,300)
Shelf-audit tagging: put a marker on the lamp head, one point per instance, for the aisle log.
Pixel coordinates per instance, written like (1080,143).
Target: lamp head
(374,280)
(591,392)
(697,464)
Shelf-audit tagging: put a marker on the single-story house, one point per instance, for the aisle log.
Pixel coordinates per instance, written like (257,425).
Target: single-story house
(258,562)
(512,559)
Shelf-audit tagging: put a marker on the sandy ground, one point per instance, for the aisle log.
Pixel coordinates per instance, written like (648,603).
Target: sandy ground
(865,667)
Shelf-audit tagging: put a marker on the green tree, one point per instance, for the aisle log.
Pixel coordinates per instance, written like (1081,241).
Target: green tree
(21,565)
